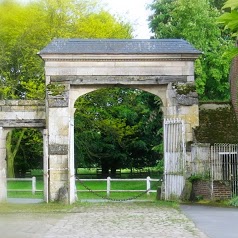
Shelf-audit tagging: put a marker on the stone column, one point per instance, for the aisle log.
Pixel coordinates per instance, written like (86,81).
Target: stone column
(183,106)
(72,189)
(58,126)
(45,165)
(3,165)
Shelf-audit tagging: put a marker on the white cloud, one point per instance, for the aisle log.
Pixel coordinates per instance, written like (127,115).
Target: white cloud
(133,10)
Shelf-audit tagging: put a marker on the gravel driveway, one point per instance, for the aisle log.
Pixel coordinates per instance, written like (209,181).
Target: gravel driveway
(101,220)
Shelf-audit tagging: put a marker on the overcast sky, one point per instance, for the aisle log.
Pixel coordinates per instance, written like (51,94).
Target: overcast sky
(133,10)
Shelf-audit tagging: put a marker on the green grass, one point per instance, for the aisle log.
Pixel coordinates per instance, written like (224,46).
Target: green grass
(19,185)
(116,185)
(94,185)
(59,208)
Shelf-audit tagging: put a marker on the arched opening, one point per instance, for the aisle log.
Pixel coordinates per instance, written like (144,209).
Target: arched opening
(118,132)
(24,159)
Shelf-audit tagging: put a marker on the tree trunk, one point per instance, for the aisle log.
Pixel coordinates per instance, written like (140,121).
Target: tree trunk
(113,171)
(105,168)
(12,151)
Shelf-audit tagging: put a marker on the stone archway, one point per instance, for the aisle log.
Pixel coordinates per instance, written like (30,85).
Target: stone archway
(20,114)
(74,67)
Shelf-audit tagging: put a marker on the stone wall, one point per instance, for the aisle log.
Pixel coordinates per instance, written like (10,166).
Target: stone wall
(217,124)
(22,113)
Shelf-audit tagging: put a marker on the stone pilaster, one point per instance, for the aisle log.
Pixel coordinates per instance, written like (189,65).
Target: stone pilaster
(3,165)
(58,126)
(184,106)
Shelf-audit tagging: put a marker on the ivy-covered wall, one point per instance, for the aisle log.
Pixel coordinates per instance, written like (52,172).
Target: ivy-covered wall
(217,124)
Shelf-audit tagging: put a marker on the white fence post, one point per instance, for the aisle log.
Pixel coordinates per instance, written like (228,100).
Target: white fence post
(108,186)
(33,185)
(148,185)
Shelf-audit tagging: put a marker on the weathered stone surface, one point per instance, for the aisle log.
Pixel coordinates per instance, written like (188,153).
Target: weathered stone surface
(32,123)
(110,79)
(63,195)
(187,190)
(59,102)
(186,100)
(58,149)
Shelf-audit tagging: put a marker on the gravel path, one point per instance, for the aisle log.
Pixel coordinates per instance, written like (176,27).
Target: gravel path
(101,220)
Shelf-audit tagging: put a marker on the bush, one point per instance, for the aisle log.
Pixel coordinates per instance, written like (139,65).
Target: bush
(234,202)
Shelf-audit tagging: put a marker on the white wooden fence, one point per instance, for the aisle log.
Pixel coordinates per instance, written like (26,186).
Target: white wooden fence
(33,185)
(108,189)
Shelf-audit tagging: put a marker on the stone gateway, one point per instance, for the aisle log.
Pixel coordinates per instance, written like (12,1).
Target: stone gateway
(74,67)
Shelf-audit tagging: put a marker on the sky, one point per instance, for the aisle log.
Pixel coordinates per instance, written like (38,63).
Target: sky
(134,11)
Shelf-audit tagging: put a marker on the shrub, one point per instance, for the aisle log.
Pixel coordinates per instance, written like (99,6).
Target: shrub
(234,201)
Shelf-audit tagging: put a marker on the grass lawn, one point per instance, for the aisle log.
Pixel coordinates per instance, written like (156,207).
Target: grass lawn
(116,185)
(55,207)
(24,185)
(94,185)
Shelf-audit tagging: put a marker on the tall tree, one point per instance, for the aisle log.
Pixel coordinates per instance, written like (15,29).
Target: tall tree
(27,28)
(195,21)
(117,128)
(229,19)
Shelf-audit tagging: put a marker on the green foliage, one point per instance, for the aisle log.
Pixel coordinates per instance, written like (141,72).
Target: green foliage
(184,89)
(117,128)
(55,89)
(233,202)
(199,197)
(29,27)
(229,19)
(198,177)
(195,21)
(30,153)
(160,166)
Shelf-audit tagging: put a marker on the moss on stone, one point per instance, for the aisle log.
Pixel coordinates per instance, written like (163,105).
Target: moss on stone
(217,126)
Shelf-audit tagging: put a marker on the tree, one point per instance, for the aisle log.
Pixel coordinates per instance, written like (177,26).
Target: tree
(218,4)
(195,21)
(12,147)
(229,19)
(117,128)
(27,28)
(30,153)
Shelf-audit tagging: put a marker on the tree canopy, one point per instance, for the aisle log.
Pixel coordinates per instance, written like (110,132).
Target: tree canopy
(27,28)
(195,21)
(229,19)
(117,128)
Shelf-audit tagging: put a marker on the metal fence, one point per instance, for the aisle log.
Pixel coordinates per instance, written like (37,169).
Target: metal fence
(224,166)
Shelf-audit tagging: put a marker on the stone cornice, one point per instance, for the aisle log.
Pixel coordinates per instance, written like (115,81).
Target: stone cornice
(121,58)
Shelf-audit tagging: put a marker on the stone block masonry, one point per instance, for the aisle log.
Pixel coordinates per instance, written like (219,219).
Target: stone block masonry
(22,113)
